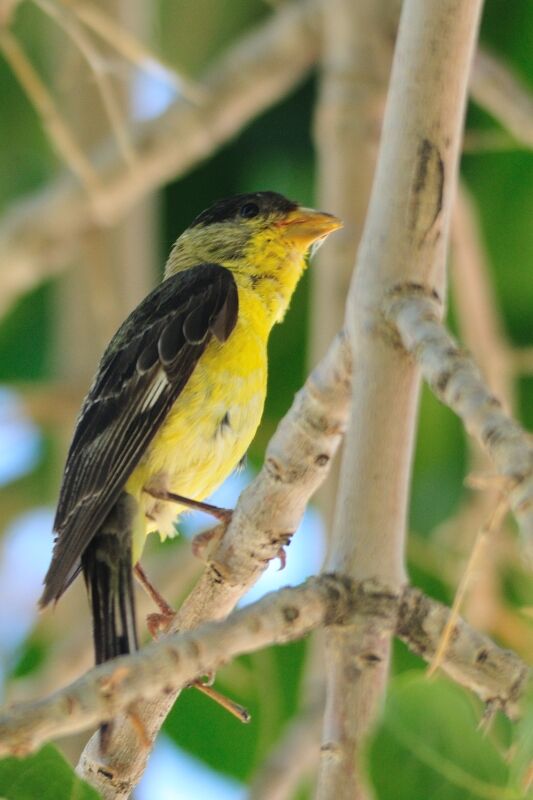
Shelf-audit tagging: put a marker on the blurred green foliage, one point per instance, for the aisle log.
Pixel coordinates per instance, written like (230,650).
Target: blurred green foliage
(43,776)
(268,688)
(427,744)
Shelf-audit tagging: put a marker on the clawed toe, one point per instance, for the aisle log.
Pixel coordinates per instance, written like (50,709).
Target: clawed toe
(282,555)
(206,541)
(159,623)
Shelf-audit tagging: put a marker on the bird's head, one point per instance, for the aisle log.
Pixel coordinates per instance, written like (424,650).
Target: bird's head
(248,232)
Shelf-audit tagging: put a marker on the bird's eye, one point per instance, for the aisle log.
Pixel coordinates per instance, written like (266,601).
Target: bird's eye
(249,210)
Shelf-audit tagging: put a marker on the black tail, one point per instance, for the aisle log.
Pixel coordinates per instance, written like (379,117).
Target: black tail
(107,569)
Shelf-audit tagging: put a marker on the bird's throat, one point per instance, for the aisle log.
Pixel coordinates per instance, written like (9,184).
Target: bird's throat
(272,275)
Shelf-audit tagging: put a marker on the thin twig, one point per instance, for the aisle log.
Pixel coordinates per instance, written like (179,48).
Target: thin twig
(481,541)
(498,90)
(483,332)
(51,119)
(41,235)
(132,50)
(94,59)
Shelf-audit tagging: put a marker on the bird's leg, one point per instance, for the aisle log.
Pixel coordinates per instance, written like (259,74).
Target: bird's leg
(160,622)
(205,541)
(155,622)
(222,514)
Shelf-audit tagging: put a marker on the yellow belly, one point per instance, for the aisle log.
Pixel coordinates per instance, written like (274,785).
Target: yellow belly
(209,428)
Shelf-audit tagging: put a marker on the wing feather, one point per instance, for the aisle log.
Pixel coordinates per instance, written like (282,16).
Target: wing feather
(142,373)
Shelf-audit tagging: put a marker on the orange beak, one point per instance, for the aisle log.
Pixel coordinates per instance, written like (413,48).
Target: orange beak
(304,226)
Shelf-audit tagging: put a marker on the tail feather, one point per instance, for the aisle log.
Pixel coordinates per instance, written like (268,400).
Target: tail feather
(107,569)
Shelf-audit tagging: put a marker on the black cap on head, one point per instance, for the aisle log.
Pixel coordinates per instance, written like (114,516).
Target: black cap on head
(245,206)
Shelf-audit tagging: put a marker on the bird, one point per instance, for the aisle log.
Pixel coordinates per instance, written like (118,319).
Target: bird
(176,400)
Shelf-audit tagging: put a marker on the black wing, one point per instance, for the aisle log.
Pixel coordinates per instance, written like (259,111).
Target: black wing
(141,374)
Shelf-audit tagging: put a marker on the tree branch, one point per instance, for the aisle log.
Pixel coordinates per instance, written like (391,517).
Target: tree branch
(482,330)
(497,89)
(456,380)
(95,61)
(267,514)
(57,129)
(69,627)
(41,234)
(356,57)
(479,317)
(404,239)
(496,675)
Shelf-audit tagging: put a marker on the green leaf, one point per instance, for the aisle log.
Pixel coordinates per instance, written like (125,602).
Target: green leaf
(428,745)
(30,658)
(43,776)
(270,694)
(522,747)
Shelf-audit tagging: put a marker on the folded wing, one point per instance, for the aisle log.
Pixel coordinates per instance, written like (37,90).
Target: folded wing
(142,373)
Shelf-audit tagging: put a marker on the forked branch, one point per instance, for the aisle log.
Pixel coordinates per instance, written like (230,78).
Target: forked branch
(497,676)
(456,380)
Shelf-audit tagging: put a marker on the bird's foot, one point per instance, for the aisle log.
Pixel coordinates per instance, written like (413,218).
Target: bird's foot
(205,542)
(285,540)
(158,622)
(282,555)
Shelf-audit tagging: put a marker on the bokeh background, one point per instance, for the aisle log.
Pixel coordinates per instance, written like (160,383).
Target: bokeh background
(50,341)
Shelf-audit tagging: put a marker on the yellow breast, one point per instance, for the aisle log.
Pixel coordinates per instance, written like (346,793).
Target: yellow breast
(210,426)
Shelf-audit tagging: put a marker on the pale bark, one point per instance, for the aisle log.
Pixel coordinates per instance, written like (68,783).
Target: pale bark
(499,677)
(404,244)
(456,380)
(482,331)
(69,625)
(267,514)
(404,241)
(356,56)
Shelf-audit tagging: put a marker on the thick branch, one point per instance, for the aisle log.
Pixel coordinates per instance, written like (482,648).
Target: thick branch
(40,235)
(456,380)
(495,675)
(404,239)
(268,513)
(357,46)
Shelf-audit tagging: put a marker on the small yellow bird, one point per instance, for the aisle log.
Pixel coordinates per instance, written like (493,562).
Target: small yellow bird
(177,398)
